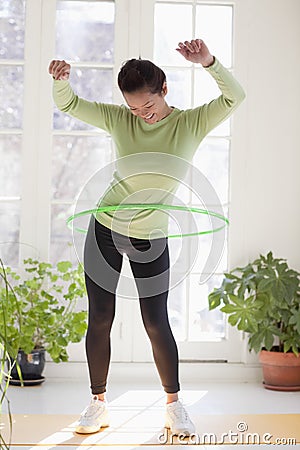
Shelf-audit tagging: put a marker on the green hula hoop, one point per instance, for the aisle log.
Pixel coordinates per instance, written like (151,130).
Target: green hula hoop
(151,206)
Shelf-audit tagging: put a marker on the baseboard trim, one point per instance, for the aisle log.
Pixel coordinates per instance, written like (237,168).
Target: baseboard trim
(134,372)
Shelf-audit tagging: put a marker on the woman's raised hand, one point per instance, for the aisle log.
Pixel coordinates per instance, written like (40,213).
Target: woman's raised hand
(60,70)
(196,51)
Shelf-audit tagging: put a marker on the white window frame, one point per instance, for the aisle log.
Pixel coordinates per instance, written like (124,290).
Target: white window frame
(134,31)
(230,348)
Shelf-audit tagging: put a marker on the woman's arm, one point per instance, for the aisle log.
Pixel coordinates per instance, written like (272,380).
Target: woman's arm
(206,117)
(101,115)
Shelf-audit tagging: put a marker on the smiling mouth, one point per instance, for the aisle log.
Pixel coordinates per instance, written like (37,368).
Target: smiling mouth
(149,117)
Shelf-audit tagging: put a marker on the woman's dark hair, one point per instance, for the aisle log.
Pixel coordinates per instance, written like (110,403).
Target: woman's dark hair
(139,74)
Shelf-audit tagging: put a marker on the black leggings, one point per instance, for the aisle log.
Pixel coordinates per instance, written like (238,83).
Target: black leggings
(150,264)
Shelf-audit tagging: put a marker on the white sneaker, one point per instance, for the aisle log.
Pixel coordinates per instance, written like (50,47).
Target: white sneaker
(93,417)
(177,419)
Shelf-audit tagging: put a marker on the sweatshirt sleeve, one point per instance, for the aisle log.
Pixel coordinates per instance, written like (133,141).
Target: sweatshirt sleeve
(206,117)
(100,115)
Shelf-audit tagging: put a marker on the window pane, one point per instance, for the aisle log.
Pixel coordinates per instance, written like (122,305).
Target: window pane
(90,84)
(11,94)
(179,88)
(221,130)
(206,89)
(10,168)
(75,159)
(61,246)
(9,226)
(12,25)
(212,159)
(205,243)
(177,305)
(214,26)
(204,325)
(91,28)
(172,25)
(183,192)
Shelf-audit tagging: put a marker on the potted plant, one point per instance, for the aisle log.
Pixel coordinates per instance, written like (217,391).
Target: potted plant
(45,319)
(263,300)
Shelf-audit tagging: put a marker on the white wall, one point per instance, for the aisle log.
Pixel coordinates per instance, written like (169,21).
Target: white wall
(265,161)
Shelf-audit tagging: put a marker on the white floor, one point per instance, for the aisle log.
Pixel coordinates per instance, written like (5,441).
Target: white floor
(70,396)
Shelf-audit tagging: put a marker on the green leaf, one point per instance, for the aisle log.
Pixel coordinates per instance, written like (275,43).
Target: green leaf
(62,341)
(233,319)
(295,319)
(214,300)
(230,276)
(64,266)
(269,340)
(72,287)
(66,277)
(252,323)
(33,284)
(265,284)
(286,346)
(80,316)
(44,266)
(228,309)
(47,295)
(236,300)
(256,341)
(80,328)
(242,324)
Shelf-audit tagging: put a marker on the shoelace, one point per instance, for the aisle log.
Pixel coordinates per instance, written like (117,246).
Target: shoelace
(90,410)
(180,413)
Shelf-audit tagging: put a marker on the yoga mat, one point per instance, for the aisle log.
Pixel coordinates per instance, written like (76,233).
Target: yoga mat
(144,427)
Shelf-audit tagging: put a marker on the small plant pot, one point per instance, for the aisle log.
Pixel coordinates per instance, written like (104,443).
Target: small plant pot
(31,366)
(281,371)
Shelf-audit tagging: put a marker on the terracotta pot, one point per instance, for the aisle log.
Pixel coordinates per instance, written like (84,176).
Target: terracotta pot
(281,371)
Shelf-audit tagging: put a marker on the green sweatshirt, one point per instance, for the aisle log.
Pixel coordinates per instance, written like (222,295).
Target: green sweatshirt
(148,166)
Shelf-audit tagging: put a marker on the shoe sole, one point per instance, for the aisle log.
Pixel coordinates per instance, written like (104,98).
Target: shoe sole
(92,432)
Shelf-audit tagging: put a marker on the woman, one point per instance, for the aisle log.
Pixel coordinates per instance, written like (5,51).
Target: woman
(148,123)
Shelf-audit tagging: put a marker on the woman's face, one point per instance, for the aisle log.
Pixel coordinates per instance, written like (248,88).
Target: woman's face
(150,107)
